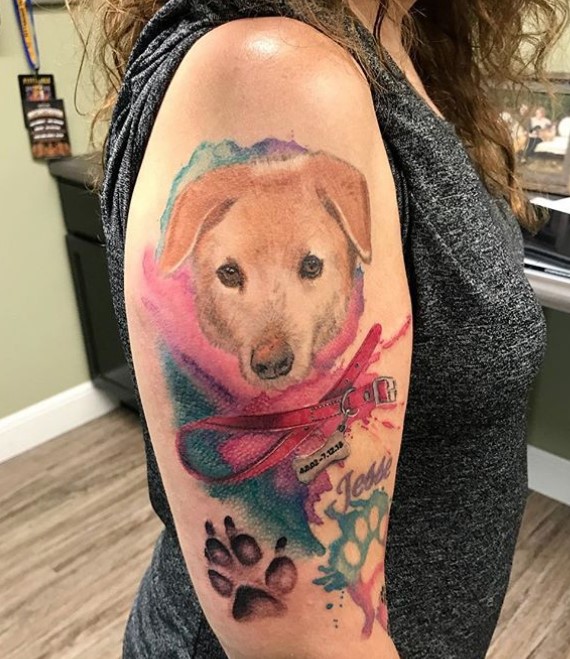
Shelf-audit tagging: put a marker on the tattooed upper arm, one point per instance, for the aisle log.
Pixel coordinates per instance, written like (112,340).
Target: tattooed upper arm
(270,326)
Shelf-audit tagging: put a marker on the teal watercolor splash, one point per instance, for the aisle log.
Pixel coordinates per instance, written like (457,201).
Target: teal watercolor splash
(341,573)
(274,513)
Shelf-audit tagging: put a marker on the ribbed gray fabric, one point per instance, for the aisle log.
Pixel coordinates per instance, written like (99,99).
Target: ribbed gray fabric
(479,338)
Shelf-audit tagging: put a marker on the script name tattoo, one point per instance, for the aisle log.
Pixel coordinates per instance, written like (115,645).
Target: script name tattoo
(353,488)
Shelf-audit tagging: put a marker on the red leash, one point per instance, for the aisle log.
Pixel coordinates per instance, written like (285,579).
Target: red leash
(343,399)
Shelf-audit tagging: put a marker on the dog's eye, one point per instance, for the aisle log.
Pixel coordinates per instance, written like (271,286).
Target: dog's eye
(230,275)
(311,267)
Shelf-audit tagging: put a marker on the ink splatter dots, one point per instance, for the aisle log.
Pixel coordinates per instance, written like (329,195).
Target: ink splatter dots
(329,606)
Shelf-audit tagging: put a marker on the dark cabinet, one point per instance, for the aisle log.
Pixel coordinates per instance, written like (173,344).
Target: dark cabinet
(86,249)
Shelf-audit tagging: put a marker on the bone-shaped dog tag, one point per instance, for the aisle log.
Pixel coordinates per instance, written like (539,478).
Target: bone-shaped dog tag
(335,448)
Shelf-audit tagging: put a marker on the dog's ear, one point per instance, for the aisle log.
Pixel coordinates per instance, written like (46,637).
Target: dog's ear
(200,204)
(343,192)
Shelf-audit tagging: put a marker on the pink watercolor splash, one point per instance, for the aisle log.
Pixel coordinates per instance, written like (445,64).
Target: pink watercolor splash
(361,594)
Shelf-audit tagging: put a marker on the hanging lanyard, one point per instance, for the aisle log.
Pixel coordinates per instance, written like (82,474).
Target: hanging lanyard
(25,17)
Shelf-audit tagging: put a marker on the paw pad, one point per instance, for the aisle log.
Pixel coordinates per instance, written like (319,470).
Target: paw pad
(236,572)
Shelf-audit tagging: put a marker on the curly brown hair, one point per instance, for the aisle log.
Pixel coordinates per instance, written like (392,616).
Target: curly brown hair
(462,50)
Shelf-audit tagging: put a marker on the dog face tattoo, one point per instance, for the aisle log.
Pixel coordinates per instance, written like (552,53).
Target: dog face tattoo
(272,246)
(256,288)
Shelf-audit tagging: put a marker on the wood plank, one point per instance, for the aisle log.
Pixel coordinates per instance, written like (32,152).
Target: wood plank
(77,532)
(535,620)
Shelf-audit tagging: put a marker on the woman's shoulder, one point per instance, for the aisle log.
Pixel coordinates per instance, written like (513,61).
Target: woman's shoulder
(276,54)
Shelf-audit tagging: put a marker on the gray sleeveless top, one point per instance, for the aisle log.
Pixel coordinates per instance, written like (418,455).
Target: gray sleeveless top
(479,338)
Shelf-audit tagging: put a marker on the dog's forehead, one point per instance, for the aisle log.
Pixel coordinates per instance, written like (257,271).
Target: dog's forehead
(278,187)
(276,228)
(276,172)
(288,164)
(265,208)
(278,216)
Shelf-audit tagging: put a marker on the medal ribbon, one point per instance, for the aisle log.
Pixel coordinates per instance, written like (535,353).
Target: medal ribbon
(25,18)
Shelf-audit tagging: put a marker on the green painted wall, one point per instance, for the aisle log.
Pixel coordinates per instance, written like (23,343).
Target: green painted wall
(560,58)
(41,350)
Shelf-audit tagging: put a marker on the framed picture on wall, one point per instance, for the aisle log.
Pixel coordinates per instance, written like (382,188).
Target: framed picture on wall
(539,123)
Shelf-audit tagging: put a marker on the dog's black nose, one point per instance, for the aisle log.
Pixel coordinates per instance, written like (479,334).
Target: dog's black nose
(268,363)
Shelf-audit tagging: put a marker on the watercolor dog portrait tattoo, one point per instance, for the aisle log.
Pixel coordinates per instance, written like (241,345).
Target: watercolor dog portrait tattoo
(256,288)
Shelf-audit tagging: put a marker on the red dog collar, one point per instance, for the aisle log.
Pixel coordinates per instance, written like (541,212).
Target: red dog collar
(343,400)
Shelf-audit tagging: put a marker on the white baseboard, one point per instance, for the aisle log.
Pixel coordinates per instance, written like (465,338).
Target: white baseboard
(549,474)
(52,417)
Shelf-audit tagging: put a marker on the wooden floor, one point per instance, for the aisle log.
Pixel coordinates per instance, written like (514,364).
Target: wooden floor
(76,532)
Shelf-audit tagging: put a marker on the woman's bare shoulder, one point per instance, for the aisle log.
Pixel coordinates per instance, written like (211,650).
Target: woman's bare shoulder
(278,62)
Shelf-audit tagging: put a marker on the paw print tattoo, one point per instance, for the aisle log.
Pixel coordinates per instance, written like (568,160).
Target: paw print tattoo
(236,572)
